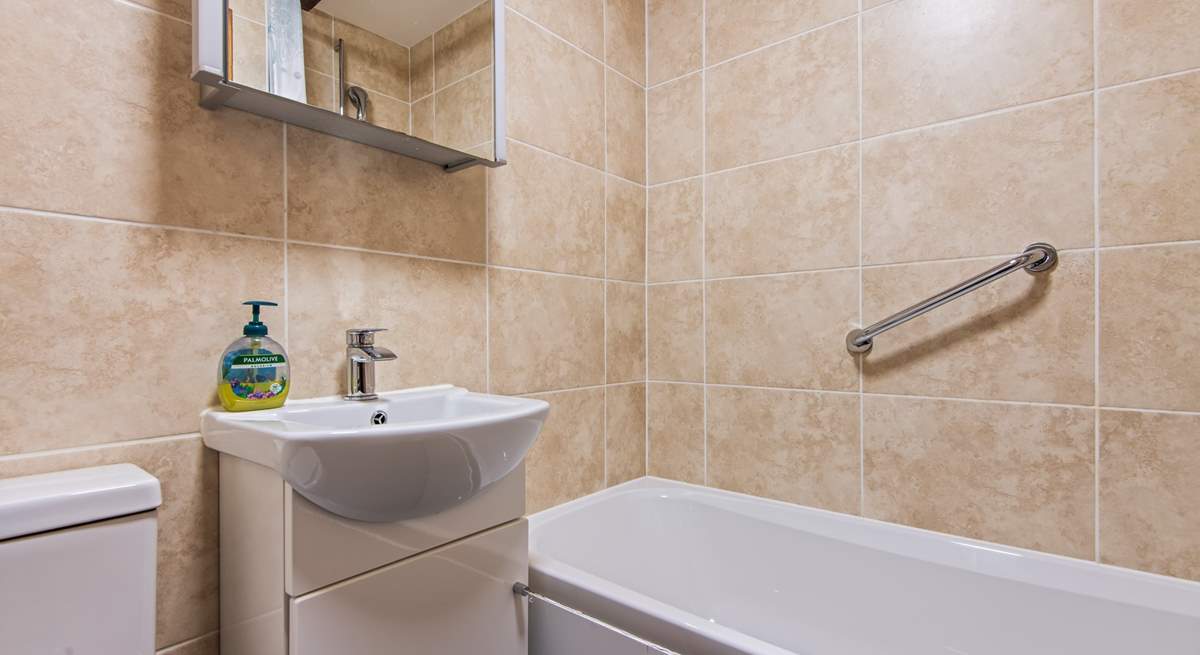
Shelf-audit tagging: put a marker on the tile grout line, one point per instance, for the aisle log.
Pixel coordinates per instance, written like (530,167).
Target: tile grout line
(188,435)
(739,167)
(292,241)
(487,281)
(166,650)
(862,443)
(436,90)
(151,10)
(952,399)
(586,387)
(69,450)
(704,46)
(1096,279)
(1143,80)
(604,298)
(704,224)
(409,80)
(68,216)
(575,47)
(287,307)
(551,153)
(646,246)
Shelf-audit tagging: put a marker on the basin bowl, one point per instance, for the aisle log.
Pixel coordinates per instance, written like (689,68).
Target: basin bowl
(405,455)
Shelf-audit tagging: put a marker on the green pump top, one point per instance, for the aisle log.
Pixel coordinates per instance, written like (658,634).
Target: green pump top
(256,328)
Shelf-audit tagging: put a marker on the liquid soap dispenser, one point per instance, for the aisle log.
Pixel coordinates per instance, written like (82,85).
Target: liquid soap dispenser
(254,370)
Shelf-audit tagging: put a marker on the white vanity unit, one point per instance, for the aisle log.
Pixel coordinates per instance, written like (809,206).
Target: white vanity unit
(386,526)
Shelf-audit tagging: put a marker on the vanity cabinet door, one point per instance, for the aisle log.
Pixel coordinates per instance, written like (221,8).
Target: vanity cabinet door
(455,600)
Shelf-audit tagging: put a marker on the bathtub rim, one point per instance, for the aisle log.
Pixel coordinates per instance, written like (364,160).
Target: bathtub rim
(659,621)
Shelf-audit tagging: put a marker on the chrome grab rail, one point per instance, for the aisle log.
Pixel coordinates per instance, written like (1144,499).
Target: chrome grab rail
(1036,258)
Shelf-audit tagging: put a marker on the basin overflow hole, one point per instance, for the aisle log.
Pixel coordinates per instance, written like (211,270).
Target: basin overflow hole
(379,417)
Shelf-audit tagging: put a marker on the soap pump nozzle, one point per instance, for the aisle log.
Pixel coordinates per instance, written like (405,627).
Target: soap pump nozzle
(256,328)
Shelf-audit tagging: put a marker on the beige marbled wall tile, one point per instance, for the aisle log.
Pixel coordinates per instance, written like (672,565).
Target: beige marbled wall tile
(796,96)
(625,36)
(790,215)
(209,644)
(625,226)
(675,234)
(424,119)
(249,65)
(922,59)
(783,330)
(1143,38)
(795,446)
(1149,499)
(388,112)
(319,90)
(1150,161)
(567,460)
(464,112)
(546,213)
(138,318)
(1150,327)
(675,130)
(318,42)
(1020,475)
(433,311)
(345,193)
(625,305)
(625,128)
(555,94)
(1023,338)
(625,426)
(421,68)
(579,22)
(187,523)
(989,186)
(676,38)
(464,47)
(739,26)
(675,322)
(675,415)
(372,61)
(547,331)
(121,135)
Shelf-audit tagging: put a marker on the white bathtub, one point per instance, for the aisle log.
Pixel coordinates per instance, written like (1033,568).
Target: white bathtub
(703,572)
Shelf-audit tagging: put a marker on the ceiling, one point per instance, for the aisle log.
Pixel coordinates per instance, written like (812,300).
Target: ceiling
(404,21)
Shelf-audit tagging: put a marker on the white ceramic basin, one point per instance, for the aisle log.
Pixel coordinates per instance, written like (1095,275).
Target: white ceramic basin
(438,447)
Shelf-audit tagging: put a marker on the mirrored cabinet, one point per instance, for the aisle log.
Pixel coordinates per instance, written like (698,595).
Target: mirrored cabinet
(423,78)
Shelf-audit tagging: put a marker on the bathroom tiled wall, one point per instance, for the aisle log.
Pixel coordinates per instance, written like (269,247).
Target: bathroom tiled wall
(815,166)
(133,223)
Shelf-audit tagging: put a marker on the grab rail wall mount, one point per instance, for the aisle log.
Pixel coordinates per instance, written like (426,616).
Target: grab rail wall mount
(1035,259)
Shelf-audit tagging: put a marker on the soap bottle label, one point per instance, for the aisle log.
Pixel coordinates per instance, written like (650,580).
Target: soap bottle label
(242,362)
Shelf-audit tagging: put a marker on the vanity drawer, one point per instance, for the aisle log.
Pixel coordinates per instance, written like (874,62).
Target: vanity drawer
(455,599)
(321,548)
(276,546)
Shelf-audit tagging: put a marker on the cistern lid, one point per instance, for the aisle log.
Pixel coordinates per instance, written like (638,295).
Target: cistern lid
(49,501)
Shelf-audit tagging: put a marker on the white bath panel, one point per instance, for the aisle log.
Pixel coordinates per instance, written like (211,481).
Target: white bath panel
(554,630)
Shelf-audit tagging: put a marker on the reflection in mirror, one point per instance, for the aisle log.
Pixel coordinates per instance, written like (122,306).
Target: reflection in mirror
(421,67)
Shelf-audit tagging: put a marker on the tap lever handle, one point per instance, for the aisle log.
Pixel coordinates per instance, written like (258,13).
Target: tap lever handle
(362,336)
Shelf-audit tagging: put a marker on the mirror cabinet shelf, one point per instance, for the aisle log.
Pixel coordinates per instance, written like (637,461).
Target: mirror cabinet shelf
(423,78)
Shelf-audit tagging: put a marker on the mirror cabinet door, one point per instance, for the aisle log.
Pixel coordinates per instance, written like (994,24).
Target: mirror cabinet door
(424,68)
